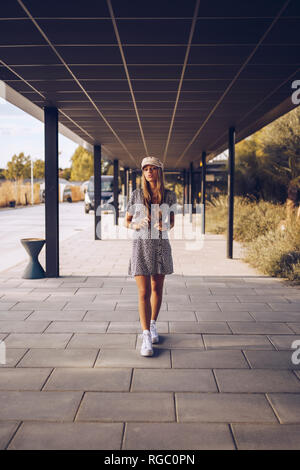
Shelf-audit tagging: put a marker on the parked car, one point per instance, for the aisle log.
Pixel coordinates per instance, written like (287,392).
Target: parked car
(107,188)
(64,187)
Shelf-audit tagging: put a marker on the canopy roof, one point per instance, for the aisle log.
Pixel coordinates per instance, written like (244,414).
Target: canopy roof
(160,77)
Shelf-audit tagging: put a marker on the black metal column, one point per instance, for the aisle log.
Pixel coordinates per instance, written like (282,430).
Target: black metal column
(126,181)
(51,191)
(203,192)
(184,190)
(191,191)
(230,189)
(97,191)
(116,191)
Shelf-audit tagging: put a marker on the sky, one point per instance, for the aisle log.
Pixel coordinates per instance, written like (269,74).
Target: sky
(20,132)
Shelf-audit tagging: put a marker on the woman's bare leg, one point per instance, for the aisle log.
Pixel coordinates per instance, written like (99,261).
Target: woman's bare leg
(157,285)
(144,288)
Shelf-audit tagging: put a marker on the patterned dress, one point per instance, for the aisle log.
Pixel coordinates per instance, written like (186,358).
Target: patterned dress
(151,249)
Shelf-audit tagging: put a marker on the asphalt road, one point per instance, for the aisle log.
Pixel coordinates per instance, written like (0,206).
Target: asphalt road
(26,222)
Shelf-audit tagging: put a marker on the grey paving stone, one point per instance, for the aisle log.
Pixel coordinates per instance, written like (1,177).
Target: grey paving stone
(9,315)
(224,316)
(23,379)
(81,304)
(267,437)
(284,307)
(134,327)
(102,340)
(244,306)
(58,315)
(132,358)
(196,299)
(76,327)
(112,315)
(16,326)
(9,305)
(237,342)
(38,297)
(177,315)
(89,379)
(59,358)
(270,359)
(178,436)
(206,306)
(259,327)
(7,429)
(202,327)
(12,357)
(295,327)
(284,317)
(37,340)
(257,381)
(42,406)
(115,406)
(46,305)
(216,359)
(284,342)
(116,290)
(263,298)
(70,298)
(223,407)
(68,436)
(178,340)
(173,380)
(131,305)
(287,406)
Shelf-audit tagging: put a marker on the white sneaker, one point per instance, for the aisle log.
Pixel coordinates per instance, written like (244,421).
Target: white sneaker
(154,334)
(146,349)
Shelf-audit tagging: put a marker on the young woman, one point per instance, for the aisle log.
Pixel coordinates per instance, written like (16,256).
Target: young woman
(151,257)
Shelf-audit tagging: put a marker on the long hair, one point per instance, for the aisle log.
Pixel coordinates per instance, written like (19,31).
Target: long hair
(160,184)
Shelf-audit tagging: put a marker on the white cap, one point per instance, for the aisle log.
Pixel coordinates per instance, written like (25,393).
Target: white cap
(152,161)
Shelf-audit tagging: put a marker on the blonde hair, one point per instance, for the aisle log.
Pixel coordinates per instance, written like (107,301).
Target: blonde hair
(160,184)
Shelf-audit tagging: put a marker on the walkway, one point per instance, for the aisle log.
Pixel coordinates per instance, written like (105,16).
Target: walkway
(222,376)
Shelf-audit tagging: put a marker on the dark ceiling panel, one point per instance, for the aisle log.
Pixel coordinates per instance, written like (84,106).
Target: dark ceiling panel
(279,54)
(218,55)
(256,8)
(153,8)
(26,33)
(158,73)
(230,31)
(285,31)
(100,72)
(67,8)
(11,9)
(90,55)
(23,55)
(154,31)
(154,55)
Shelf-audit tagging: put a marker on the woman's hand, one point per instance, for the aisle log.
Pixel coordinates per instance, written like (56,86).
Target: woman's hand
(161,228)
(142,224)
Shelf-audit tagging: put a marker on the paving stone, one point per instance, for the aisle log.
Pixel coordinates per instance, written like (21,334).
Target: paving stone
(7,430)
(81,304)
(177,315)
(286,307)
(46,305)
(295,327)
(179,341)
(76,327)
(173,380)
(284,317)
(16,315)
(202,327)
(33,405)
(178,436)
(216,359)
(68,436)
(16,326)
(223,316)
(89,379)
(270,359)
(58,315)
(132,358)
(134,327)
(284,342)
(259,327)
(267,437)
(13,356)
(59,358)
(131,305)
(95,340)
(115,406)
(257,381)
(244,306)
(223,407)
(9,305)
(23,379)
(112,315)
(206,306)
(262,298)
(37,340)
(212,298)
(83,291)
(287,406)
(237,342)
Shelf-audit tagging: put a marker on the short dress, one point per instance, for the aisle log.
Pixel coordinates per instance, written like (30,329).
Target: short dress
(151,249)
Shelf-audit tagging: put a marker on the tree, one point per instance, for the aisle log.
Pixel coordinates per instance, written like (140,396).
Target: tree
(18,167)
(39,168)
(65,173)
(82,165)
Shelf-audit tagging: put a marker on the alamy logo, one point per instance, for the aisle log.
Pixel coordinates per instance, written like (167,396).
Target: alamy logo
(296,93)
(2,352)
(296,354)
